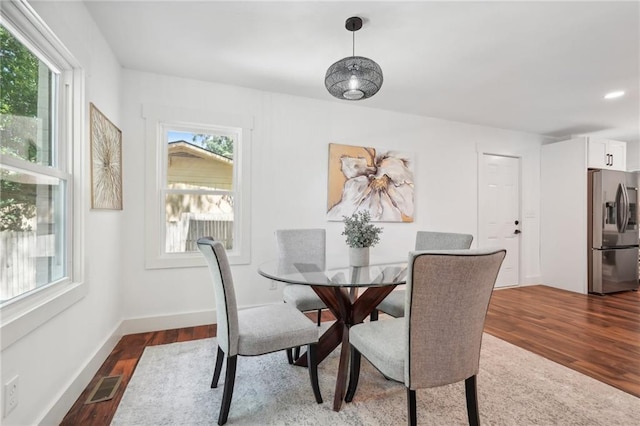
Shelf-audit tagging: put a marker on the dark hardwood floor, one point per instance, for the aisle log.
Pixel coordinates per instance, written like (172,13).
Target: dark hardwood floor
(595,335)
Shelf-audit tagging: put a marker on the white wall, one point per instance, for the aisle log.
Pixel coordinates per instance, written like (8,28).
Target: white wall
(50,361)
(563,240)
(633,156)
(289,184)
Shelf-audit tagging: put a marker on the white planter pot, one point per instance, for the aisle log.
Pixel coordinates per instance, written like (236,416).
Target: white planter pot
(359,256)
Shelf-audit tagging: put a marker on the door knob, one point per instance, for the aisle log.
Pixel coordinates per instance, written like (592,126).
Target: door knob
(517,231)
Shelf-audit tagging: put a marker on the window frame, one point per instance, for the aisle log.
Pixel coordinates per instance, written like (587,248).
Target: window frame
(159,119)
(26,312)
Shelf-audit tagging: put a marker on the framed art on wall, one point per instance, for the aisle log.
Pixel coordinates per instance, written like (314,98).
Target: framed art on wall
(106,162)
(367,179)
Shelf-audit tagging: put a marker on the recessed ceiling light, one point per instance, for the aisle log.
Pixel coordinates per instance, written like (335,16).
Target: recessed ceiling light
(613,95)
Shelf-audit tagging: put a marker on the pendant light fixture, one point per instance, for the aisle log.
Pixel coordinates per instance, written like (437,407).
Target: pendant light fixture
(355,77)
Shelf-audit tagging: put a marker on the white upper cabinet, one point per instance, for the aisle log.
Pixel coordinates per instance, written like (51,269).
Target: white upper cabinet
(618,151)
(607,154)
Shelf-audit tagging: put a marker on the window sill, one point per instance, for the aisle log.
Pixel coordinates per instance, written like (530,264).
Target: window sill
(23,316)
(190,260)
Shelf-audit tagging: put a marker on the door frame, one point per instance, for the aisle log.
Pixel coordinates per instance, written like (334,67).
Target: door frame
(481,179)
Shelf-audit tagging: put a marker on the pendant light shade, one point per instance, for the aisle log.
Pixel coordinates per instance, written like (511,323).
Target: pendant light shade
(355,77)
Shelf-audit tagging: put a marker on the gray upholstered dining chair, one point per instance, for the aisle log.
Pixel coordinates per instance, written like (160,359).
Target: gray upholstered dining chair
(393,304)
(304,246)
(438,341)
(253,331)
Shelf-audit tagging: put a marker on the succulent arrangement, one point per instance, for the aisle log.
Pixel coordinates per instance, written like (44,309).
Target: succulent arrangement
(359,230)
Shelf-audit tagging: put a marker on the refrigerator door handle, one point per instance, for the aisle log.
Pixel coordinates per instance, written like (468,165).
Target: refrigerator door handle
(619,206)
(625,196)
(622,208)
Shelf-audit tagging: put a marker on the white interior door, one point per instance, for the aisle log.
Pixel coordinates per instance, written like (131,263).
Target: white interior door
(499,212)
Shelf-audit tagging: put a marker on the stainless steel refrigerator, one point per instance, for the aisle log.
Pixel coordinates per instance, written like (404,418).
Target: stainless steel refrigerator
(613,231)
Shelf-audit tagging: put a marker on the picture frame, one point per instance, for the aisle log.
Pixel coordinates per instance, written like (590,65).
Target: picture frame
(379,181)
(106,162)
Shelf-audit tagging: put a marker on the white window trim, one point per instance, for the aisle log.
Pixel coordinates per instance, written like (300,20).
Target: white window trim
(28,312)
(158,117)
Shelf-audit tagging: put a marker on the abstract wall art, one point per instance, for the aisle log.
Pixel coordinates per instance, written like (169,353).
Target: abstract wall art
(379,181)
(106,162)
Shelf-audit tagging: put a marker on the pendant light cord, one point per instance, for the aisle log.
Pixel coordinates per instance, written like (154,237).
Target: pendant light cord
(353,43)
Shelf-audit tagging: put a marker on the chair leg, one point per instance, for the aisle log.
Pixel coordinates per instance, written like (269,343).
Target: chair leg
(218,368)
(290,355)
(312,361)
(354,375)
(374,315)
(296,353)
(411,407)
(470,387)
(319,316)
(229,380)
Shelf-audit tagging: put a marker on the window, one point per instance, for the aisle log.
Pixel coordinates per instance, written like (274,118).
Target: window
(198,189)
(197,176)
(33,175)
(37,129)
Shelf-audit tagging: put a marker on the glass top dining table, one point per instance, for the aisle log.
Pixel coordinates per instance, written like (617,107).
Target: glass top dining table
(380,274)
(338,288)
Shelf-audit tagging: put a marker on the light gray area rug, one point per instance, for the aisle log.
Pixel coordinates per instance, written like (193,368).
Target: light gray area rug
(170,386)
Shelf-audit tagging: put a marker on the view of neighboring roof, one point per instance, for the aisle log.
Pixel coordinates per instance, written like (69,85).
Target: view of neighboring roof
(183,148)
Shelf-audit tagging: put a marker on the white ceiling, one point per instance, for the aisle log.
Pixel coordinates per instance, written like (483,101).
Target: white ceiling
(540,67)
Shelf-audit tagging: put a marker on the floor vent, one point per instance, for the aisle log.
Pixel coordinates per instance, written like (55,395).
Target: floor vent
(105,389)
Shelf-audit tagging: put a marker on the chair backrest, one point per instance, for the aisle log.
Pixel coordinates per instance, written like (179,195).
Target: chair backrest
(447,298)
(226,306)
(426,240)
(302,246)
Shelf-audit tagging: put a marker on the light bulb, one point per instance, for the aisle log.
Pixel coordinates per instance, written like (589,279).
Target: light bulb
(353,83)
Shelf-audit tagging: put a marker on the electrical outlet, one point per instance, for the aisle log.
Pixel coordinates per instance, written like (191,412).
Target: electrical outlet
(10,395)
(273,285)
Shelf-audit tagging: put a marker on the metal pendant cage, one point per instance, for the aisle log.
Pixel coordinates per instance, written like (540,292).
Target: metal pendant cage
(353,78)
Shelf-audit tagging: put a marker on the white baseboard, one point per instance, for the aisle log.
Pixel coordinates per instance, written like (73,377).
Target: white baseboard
(532,280)
(167,322)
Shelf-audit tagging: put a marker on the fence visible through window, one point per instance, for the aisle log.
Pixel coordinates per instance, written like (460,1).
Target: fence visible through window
(221,230)
(182,235)
(17,263)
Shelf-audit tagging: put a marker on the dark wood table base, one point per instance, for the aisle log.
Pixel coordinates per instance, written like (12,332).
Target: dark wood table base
(347,313)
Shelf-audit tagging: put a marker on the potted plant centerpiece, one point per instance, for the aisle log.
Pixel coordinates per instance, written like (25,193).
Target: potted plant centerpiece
(361,234)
